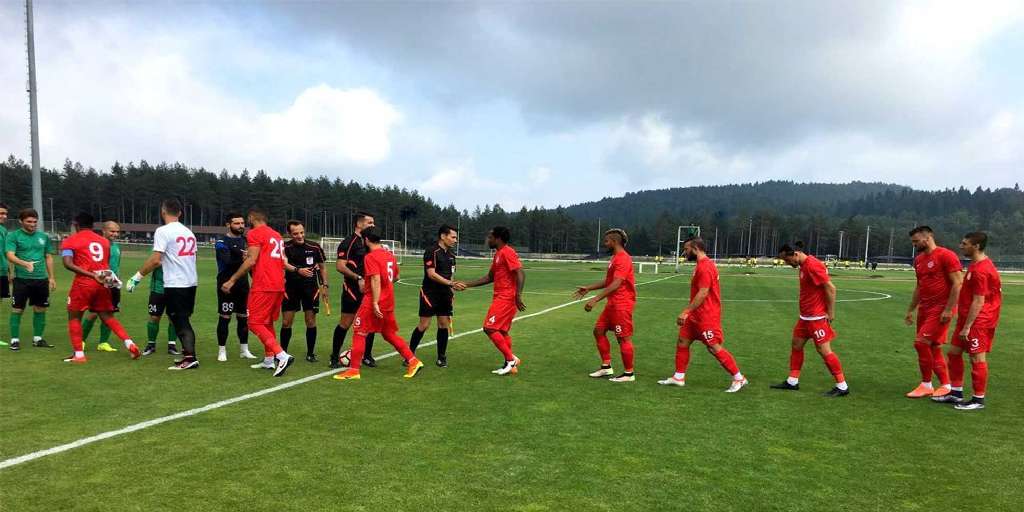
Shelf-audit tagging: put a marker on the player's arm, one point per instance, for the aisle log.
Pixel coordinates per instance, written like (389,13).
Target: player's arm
(67,257)
(520,283)
(49,272)
(915,299)
(583,290)
(15,260)
(438,278)
(375,295)
(151,263)
(830,300)
(487,279)
(252,254)
(957,278)
(977,302)
(698,300)
(323,270)
(607,290)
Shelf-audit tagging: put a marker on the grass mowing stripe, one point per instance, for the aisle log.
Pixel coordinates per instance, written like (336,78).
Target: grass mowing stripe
(223,403)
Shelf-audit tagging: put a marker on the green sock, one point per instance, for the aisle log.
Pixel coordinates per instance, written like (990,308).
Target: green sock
(38,323)
(104,334)
(15,325)
(152,330)
(87,325)
(172,335)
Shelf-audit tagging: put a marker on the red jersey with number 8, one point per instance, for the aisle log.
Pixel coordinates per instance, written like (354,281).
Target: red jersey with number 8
(380,262)
(89,251)
(268,273)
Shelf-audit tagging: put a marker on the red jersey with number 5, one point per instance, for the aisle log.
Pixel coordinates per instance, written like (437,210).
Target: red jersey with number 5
(268,273)
(89,251)
(380,262)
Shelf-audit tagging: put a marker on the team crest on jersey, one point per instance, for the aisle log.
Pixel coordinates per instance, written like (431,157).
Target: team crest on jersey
(931,264)
(969,275)
(42,242)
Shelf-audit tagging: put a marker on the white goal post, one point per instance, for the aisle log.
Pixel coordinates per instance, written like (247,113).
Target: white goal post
(330,247)
(683,234)
(649,266)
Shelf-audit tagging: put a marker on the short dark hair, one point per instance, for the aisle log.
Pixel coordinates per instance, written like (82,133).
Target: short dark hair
(502,233)
(294,222)
(85,220)
(696,242)
(371,235)
(789,250)
(978,238)
(360,215)
(445,229)
(258,213)
(28,213)
(232,215)
(618,233)
(172,207)
(921,229)
(4,206)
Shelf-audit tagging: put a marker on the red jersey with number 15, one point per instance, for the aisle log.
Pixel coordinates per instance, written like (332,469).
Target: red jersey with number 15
(709,314)
(268,273)
(503,267)
(380,262)
(89,251)
(621,266)
(813,301)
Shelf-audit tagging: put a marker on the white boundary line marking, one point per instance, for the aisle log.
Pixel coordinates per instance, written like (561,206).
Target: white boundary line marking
(683,300)
(28,457)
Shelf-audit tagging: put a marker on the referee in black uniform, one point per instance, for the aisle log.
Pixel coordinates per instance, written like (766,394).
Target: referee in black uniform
(351,252)
(305,280)
(437,295)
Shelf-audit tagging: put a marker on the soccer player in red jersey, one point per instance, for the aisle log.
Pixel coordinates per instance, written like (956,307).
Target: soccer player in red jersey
(938,285)
(817,312)
(264,255)
(508,277)
(619,287)
(702,319)
(981,297)
(87,254)
(377,310)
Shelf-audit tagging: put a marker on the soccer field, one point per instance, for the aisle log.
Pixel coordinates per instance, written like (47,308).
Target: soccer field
(548,439)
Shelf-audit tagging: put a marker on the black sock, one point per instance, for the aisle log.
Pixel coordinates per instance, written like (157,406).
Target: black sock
(286,337)
(369,346)
(222,330)
(442,343)
(242,326)
(310,340)
(186,335)
(415,338)
(339,340)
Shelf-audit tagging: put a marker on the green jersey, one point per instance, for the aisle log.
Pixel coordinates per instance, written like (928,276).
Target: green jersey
(156,281)
(115,258)
(32,248)
(3,257)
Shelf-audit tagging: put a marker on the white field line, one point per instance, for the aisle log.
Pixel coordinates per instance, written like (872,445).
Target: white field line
(28,457)
(682,300)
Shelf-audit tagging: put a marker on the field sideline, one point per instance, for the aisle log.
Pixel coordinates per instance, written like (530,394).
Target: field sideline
(548,439)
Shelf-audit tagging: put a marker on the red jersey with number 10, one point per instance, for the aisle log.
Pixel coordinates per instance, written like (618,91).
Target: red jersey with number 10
(709,314)
(89,251)
(813,301)
(503,267)
(380,262)
(268,273)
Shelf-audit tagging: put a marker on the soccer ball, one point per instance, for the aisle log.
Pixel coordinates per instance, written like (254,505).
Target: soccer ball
(110,279)
(345,358)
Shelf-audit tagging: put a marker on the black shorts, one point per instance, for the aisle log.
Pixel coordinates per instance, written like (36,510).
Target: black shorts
(35,292)
(235,302)
(115,299)
(302,296)
(157,303)
(436,303)
(351,298)
(180,302)
(5,287)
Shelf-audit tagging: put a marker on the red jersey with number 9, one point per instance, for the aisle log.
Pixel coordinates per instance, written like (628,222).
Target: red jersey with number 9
(380,262)
(89,251)
(268,273)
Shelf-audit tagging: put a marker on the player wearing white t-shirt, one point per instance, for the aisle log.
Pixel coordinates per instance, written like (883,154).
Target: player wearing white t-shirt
(174,250)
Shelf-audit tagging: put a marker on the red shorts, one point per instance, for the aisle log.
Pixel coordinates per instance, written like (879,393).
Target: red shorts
(616,318)
(264,307)
(820,330)
(500,314)
(709,335)
(930,327)
(366,322)
(95,298)
(979,339)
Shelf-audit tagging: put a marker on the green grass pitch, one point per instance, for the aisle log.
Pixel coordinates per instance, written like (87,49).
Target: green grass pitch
(547,439)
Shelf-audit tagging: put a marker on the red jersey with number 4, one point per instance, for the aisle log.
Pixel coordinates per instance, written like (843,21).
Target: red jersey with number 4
(503,267)
(813,301)
(380,262)
(982,279)
(268,273)
(88,251)
(621,267)
(933,282)
(709,314)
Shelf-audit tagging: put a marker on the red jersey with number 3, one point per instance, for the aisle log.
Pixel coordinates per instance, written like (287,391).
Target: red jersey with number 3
(268,273)
(380,262)
(709,314)
(982,279)
(933,282)
(813,301)
(89,251)
(621,266)
(503,267)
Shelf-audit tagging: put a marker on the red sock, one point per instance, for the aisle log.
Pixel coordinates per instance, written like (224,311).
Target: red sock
(939,365)
(508,340)
(75,331)
(267,338)
(796,362)
(727,361)
(626,348)
(604,348)
(116,327)
(836,369)
(956,370)
(924,360)
(979,378)
(499,342)
(396,341)
(358,349)
(682,357)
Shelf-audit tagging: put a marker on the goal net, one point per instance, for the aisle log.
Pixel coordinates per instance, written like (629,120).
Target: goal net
(330,246)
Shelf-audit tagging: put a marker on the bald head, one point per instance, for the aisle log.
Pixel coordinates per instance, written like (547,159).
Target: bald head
(111,230)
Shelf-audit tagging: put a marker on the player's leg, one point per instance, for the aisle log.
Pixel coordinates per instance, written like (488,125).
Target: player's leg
(621,321)
(180,305)
(311,333)
(444,324)
(417,332)
(796,364)
(604,347)
(389,330)
(242,331)
(356,356)
(75,334)
(18,304)
(834,367)
(939,369)
(39,298)
(726,360)
(979,343)
(113,325)
(287,319)
(955,363)
(88,321)
(105,330)
(682,360)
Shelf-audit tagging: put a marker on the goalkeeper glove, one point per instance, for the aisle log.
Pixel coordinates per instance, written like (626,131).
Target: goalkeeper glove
(133,282)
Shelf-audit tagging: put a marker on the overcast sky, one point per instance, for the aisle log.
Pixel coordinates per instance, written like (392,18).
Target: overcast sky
(529,103)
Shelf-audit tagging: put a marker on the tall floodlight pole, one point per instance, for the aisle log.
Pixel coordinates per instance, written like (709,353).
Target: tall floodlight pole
(750,232)
(37,180)
(867,240)
(840,255)
(597,248)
